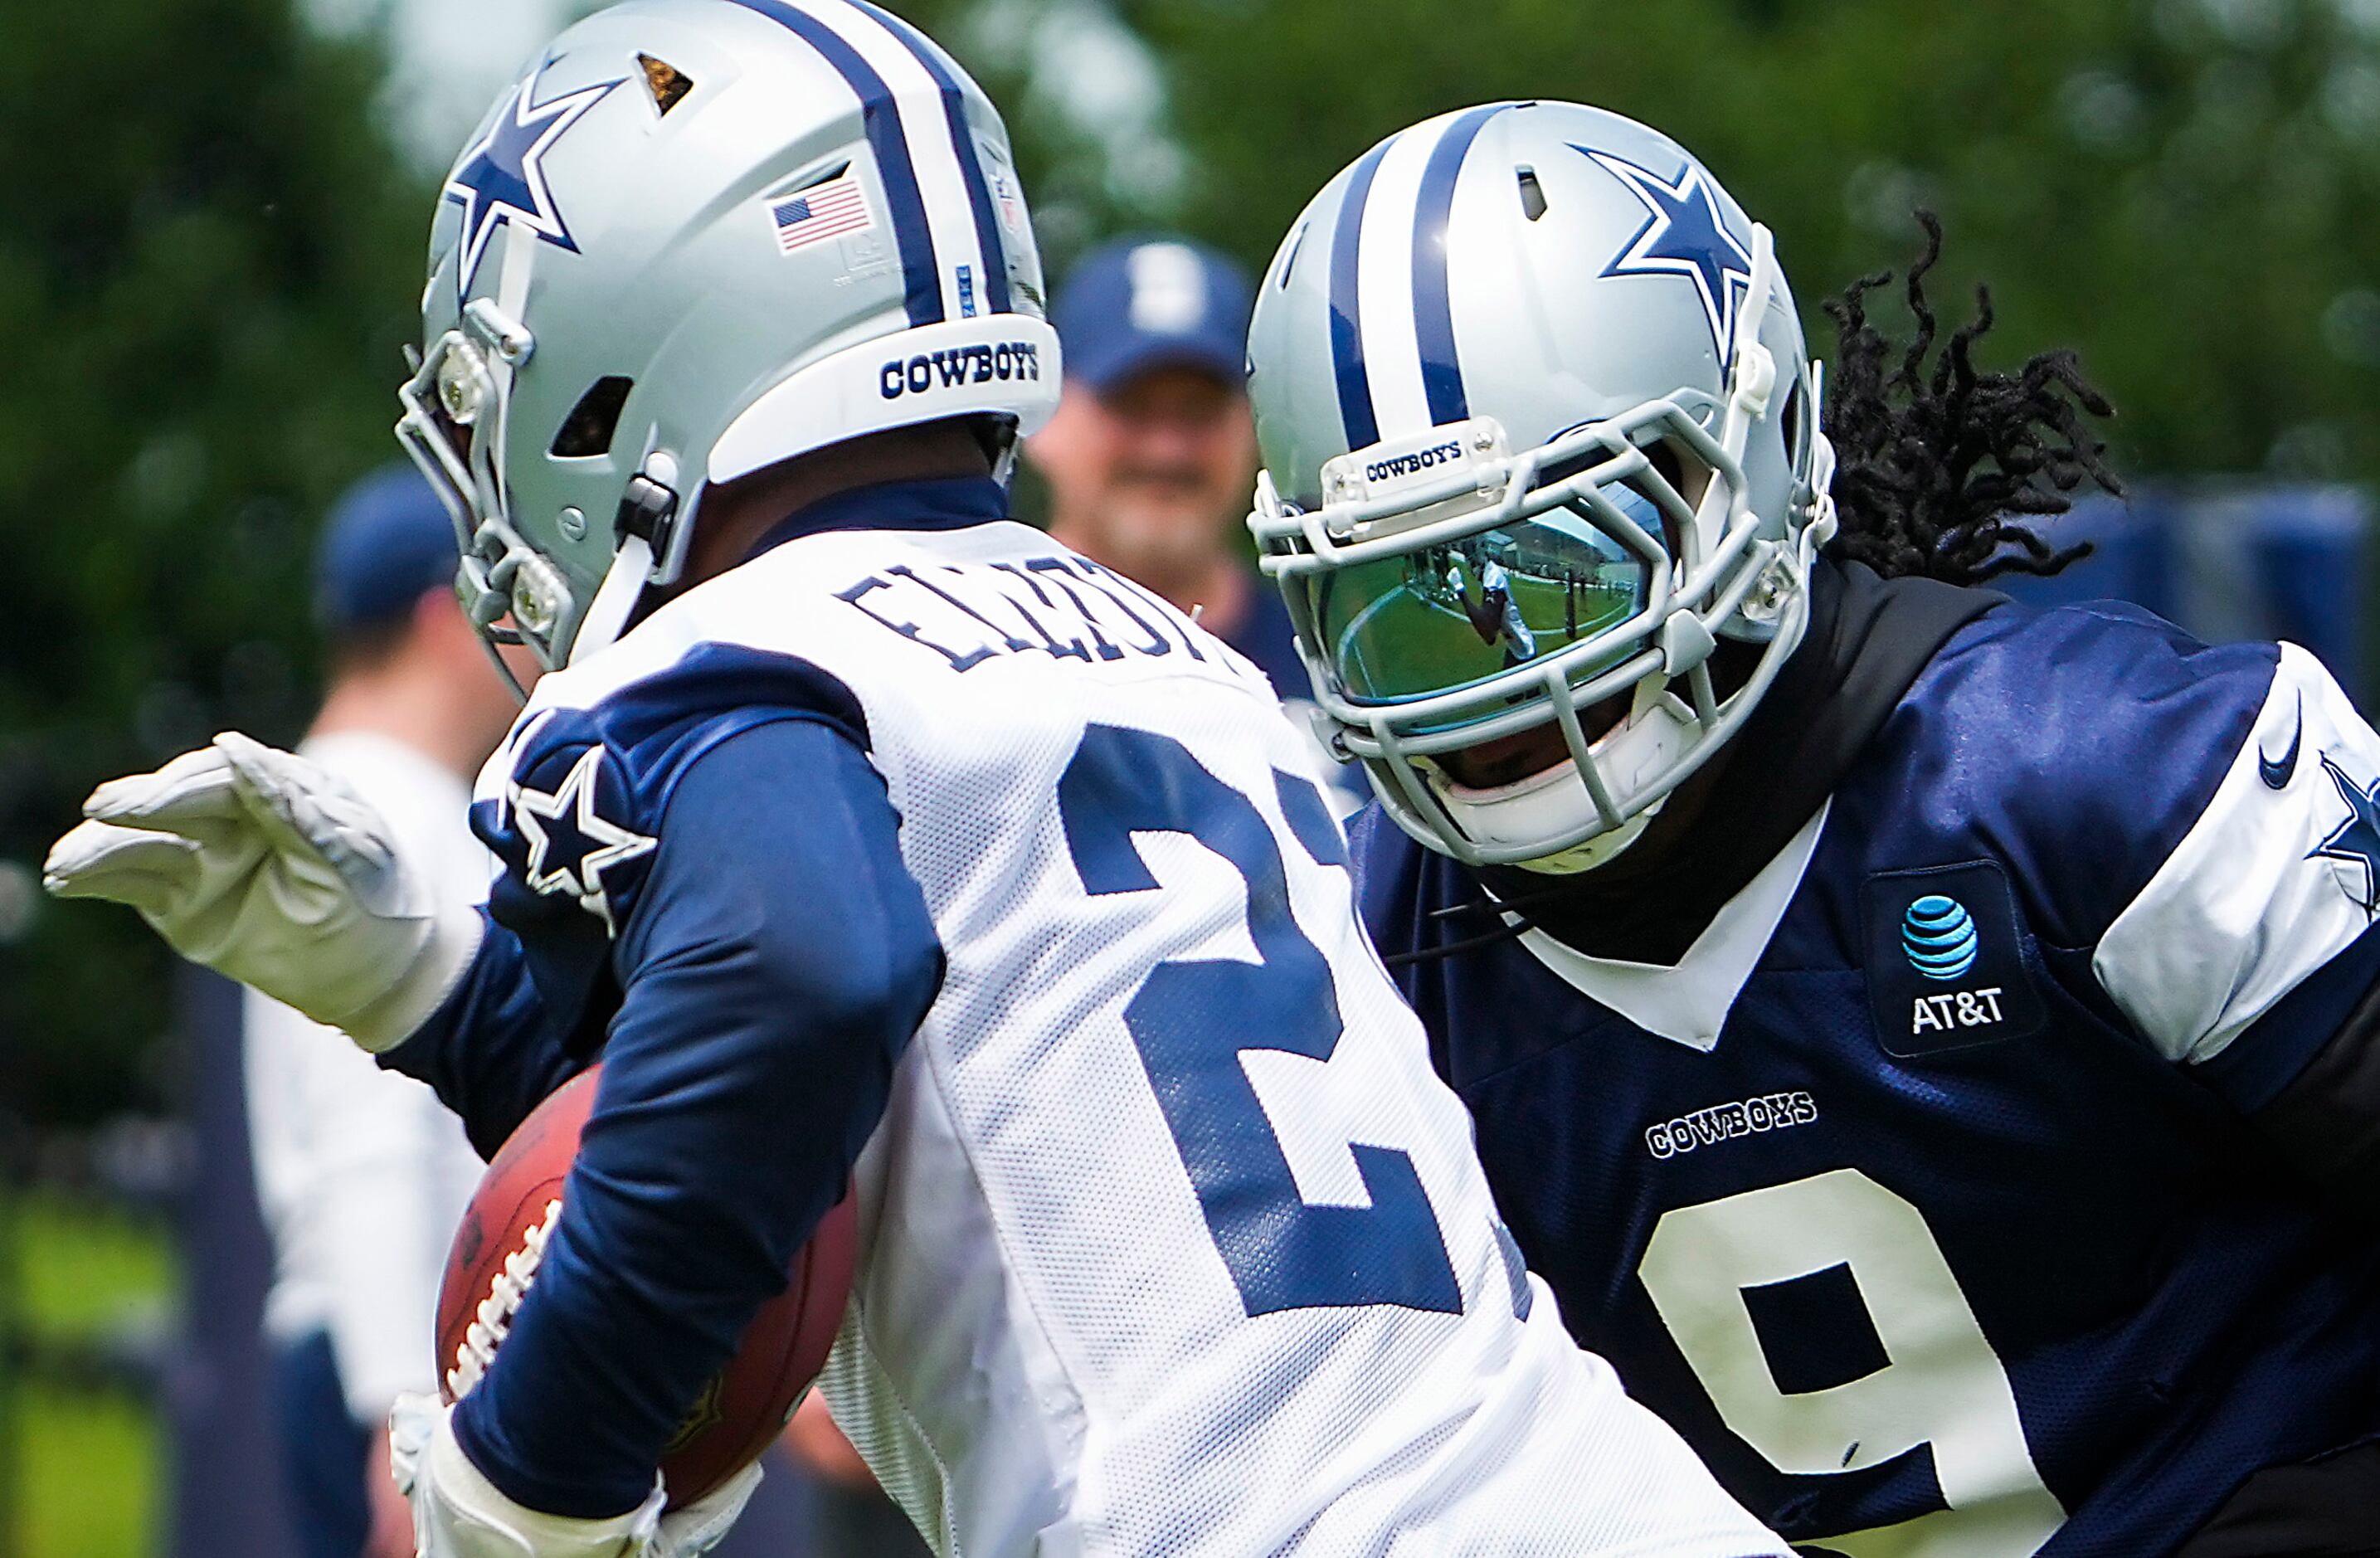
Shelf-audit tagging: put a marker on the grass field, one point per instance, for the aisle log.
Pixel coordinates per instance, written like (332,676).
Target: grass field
(88,1461)
(1398,640)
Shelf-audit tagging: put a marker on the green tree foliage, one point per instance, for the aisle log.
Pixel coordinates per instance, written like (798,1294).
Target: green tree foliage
(207,265)
(2183,188)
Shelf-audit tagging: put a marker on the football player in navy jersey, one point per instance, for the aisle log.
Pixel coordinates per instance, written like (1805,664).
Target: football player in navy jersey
(1927,1043)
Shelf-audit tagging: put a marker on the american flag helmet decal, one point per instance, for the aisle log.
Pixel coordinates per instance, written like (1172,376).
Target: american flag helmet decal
(834,210)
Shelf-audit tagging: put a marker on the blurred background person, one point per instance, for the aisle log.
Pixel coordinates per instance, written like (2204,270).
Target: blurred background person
(844,1513)
(363,1174)
(1151,459)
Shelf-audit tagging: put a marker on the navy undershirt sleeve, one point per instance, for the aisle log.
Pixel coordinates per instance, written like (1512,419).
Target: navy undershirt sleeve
(778,961)
(488,1052)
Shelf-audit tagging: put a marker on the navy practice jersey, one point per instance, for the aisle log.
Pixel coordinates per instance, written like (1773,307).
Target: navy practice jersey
(1920,1195)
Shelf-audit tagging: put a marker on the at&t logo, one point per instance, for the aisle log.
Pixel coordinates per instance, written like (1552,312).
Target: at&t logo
(1940,936)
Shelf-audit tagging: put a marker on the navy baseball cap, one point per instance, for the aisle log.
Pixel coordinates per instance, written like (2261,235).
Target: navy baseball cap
(1143,304)
(388,542)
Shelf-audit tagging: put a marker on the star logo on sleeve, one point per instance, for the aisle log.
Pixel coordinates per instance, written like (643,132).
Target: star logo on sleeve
(501,176)
(2356,840)
(1685,236)
(571,843)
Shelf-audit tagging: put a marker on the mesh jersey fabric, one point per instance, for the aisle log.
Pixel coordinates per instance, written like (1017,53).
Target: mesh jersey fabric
(1171,1242)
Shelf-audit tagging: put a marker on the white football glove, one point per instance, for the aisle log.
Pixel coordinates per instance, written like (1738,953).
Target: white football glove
(263,867)
(457,1513)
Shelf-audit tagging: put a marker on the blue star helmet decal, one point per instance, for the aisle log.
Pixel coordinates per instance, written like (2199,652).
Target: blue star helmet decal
(501,176)
(570,843)
(2356,840)
(1684,236)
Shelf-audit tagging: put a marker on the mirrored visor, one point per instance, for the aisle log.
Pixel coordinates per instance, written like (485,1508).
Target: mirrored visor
(1440,618)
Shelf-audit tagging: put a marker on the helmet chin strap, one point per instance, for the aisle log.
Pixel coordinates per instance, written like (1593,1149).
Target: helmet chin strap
(1598,851)
(636,567)
(624,585)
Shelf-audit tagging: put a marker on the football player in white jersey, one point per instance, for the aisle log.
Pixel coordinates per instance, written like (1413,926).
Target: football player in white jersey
(869,836)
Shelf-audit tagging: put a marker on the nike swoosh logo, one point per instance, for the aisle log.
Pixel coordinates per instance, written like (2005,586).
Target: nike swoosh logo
(2276,776)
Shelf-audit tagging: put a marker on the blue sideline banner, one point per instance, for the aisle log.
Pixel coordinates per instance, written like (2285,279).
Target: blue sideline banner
(2230,560)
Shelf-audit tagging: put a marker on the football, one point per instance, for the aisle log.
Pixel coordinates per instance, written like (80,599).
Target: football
(502,1240)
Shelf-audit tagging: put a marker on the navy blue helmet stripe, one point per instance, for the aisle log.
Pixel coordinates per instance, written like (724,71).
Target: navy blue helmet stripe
(987,225)
(1356,412)
(1442,370)
(880,113)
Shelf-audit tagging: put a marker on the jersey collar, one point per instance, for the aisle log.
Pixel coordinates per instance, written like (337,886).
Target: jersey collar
(1689,1003)
(947,504)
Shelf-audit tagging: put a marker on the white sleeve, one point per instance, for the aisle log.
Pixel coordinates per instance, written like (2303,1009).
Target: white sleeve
(2275,879)
(376,1218)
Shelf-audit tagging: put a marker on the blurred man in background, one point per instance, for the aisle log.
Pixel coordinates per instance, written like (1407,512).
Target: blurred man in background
(1152,455)
(361,1173)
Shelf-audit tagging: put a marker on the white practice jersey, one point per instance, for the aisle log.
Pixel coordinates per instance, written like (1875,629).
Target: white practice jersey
(1171,1241)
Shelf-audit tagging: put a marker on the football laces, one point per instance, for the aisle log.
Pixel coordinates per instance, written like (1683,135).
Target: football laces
(494,1320)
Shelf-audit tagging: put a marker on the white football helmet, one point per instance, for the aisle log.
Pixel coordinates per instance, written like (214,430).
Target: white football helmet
(696,238)
(1540,431)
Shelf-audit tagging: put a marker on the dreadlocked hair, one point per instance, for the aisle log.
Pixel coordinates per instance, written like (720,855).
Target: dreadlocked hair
(1939,463)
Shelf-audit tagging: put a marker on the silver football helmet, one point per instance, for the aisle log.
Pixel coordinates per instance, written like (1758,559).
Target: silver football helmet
(1540,431)
(696,238)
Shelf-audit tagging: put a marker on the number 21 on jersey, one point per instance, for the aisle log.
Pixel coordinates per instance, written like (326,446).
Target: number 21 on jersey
(1192,1019)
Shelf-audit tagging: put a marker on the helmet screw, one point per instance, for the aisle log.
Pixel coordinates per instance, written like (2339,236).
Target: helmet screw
(573,524)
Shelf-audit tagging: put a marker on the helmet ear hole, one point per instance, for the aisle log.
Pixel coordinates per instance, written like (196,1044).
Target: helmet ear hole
(1794,422)
(588,431)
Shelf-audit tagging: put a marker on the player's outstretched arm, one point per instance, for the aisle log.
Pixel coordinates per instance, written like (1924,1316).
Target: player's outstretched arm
(772,969)
(262,866)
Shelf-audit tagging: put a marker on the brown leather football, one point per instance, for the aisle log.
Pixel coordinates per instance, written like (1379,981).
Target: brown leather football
(494,1259)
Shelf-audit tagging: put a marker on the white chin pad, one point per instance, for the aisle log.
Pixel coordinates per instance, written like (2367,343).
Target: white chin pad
(1553,805)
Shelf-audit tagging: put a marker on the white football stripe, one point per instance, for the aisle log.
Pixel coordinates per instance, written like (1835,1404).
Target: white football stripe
(1384,276)
(933,152)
